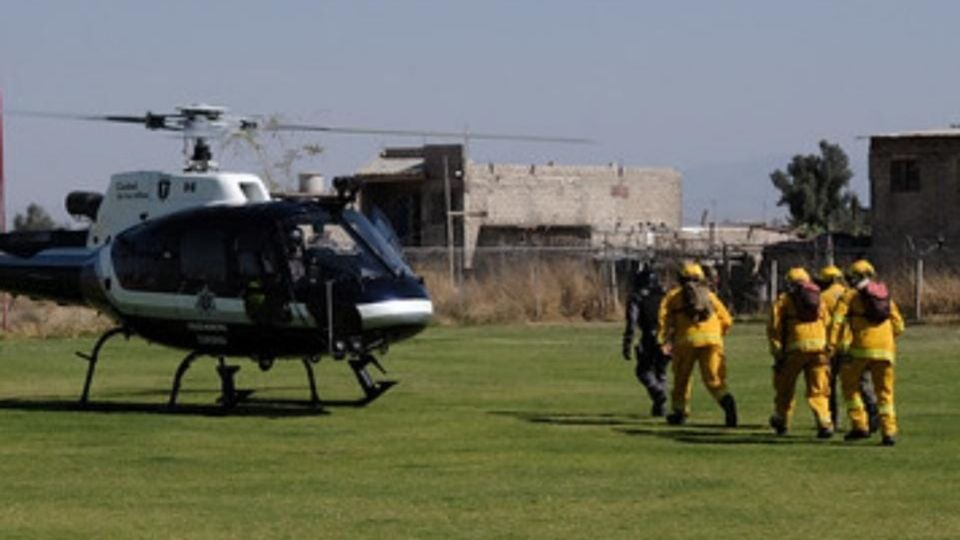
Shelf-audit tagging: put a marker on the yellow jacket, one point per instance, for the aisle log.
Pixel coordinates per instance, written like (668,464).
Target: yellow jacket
(677,328)
(867,339)
(831,295)
(830,298)
(784,325)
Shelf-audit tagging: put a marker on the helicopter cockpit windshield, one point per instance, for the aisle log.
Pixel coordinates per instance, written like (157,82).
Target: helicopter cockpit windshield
(384,250)
(349,246)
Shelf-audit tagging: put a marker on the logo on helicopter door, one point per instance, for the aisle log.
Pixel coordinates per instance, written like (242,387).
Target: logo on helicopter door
(163,188)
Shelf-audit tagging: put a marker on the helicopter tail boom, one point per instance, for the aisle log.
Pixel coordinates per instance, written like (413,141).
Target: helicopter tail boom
(53,274)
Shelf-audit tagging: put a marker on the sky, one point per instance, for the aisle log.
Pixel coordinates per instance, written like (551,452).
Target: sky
(725,92)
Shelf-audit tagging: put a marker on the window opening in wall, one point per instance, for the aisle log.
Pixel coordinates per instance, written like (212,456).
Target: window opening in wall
(904,175)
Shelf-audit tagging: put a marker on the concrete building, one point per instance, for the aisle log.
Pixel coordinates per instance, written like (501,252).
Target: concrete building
(914,192)
(749,238)
(510,204)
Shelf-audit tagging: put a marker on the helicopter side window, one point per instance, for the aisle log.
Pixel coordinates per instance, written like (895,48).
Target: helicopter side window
(254,258)
(203,262)
(333,237)
(145,261)
(248,265)
(331,247)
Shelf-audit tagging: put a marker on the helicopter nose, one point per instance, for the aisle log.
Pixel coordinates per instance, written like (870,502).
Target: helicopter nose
(395,303)
(398,312)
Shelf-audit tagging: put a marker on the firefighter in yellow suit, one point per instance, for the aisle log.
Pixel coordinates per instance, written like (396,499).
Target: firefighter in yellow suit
(873,348)
(833,287)
(693,334)
(798,343)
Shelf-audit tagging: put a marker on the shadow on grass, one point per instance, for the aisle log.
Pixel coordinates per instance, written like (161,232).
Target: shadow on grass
(693,434)
(246,406)
(690,433)
(575,419)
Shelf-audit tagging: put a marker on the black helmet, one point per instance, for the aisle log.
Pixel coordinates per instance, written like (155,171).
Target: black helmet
(646,277)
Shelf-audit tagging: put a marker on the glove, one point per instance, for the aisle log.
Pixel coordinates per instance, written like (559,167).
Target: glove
(777,363)
(626,352)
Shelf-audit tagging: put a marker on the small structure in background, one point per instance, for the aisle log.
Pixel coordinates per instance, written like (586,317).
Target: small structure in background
(434,196)
(914,194)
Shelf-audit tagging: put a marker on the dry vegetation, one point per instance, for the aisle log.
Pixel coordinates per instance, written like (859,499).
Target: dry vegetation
(528,291)
(941,292)
(523,292)
(30,318)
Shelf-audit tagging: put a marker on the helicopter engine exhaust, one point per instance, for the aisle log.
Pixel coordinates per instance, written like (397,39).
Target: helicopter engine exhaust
(84,203)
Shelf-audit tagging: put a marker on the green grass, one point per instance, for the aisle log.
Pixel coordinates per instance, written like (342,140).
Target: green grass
(493,432)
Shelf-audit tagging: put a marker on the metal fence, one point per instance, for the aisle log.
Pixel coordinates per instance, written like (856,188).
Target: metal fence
(745,277)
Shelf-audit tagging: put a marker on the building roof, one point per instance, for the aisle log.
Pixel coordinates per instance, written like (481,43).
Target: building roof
(922,133)
(406,167)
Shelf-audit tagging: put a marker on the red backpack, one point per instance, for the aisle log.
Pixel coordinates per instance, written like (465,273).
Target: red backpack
(876,302)
(806,300)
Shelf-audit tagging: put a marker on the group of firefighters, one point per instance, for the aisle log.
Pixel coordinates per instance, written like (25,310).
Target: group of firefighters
(835,327)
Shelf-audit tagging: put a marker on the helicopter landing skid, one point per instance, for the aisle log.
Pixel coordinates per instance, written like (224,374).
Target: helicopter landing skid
(314,396)
(94,356)
(229,395)
(371,389)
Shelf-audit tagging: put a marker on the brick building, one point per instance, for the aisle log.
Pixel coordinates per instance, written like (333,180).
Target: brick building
(511,204)
(914,193)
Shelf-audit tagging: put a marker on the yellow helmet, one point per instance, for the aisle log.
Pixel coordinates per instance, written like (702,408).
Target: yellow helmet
(862,268)
(692,271)
(830,273)
(798,275)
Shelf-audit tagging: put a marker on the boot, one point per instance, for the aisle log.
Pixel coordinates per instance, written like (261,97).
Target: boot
(824,432)
(729,410)
(657,409)
(888,440)
(676,418)
(778,425)
(856,434)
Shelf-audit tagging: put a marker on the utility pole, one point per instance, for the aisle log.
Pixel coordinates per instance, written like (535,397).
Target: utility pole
(4,298)
(451,265)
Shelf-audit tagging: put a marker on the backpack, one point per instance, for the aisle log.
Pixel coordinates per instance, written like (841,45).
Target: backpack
(876,302)
(806,301)
(696,301)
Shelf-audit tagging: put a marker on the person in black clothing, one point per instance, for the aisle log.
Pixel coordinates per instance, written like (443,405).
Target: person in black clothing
(642,307)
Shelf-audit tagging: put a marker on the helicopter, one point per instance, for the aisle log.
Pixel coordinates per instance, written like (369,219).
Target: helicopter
(212,263)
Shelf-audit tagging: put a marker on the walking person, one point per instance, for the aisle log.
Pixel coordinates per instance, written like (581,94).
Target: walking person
(833,285)
(797,332)
(692,325)
(872,317)
(643,306)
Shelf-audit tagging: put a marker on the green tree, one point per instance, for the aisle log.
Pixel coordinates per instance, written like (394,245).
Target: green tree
(35,219)
(815,190)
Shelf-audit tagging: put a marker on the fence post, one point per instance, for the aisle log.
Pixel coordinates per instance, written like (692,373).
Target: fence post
(918,289)
(614,286)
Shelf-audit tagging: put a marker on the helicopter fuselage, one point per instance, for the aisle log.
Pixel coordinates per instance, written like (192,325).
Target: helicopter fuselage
(250,277)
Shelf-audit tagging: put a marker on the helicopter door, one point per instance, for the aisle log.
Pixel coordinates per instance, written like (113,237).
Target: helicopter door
(332,270)
(205,288)
(264,294)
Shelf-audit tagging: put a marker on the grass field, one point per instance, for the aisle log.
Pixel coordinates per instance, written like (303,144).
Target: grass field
(493,432)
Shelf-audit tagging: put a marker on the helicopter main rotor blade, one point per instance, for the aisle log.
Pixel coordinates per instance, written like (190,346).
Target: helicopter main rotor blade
(149,120)
(419,133)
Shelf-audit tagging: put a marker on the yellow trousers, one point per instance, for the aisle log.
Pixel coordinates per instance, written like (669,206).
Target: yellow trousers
(881,371)
(713,370)
(816,371)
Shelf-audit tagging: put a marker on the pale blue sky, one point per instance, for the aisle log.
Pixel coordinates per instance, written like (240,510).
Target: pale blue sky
(723,91)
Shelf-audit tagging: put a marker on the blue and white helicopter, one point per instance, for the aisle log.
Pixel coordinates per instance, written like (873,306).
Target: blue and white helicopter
(210,262)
